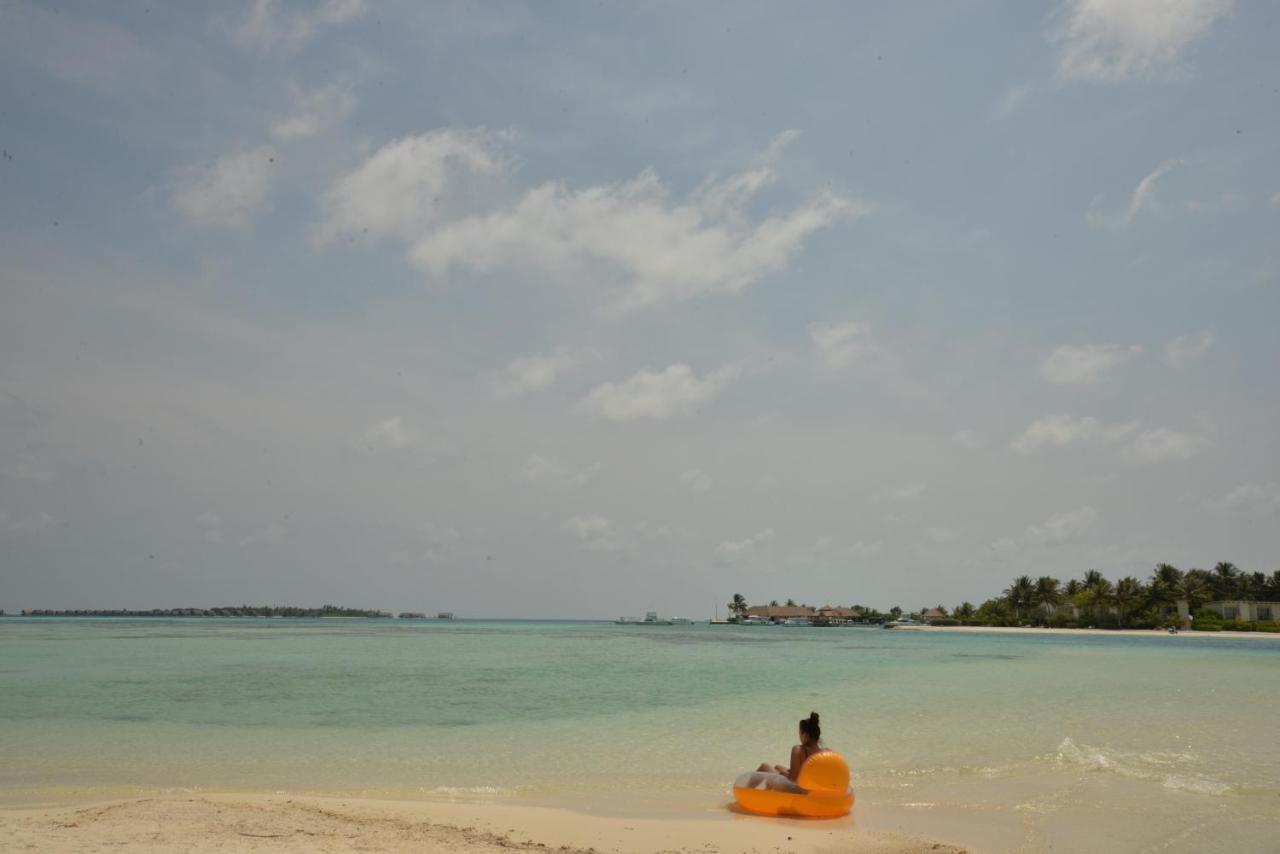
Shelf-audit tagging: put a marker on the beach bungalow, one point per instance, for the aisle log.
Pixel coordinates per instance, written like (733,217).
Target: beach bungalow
(1238,609)
(778,613)
(933,614)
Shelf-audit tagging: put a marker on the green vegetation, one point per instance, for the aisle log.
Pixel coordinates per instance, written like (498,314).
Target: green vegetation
(1095,602)
(223,611)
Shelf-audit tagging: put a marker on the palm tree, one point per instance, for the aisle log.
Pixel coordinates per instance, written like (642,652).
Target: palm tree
(1164,586)
(773,603)
(963,611)
(1195,587)
(1164,578)
(1095,593)
(1128,593)
(1047,594)
(1072,588)
(1019,595)
(738,606)
(1255,586)
(791,603)
(1226,580)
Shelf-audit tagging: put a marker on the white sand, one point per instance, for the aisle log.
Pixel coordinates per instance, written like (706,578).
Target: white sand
(222,823)
(1137,633)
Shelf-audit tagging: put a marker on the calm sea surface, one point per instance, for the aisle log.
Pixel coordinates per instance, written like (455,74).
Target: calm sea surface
(1076,742)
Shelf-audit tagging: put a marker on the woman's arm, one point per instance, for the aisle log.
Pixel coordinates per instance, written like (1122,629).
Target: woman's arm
(797,759)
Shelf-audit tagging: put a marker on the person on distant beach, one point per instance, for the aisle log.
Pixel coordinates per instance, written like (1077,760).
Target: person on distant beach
(810,745)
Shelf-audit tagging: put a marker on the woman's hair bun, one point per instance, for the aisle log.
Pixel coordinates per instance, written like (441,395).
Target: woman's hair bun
(813,716)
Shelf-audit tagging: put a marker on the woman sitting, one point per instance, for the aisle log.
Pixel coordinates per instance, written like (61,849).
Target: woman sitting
(779,778)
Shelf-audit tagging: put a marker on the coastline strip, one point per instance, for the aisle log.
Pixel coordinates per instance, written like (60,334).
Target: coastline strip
(222,822)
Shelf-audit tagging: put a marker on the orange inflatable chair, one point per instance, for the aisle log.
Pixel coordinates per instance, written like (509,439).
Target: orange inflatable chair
(821,791)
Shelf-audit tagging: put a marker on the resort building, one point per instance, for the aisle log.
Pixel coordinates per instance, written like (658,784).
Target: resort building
(933,614)
(778,613)
(1238,609)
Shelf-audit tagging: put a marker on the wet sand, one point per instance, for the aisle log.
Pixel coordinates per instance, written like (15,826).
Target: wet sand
(224,822)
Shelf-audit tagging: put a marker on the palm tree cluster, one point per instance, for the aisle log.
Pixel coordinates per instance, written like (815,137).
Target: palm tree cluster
(1096,600)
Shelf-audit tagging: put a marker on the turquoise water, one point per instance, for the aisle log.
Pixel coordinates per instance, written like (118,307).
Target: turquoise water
(1035,729)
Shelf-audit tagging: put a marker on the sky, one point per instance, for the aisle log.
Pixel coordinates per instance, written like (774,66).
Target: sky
(590,309)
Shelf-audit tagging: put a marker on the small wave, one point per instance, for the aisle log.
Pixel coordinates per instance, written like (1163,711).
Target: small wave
(1154,766)
(465,790)
(1199,785)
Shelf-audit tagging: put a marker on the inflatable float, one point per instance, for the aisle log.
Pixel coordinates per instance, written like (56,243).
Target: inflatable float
(821,790)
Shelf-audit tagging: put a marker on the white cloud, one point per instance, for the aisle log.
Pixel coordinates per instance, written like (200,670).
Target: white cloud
(905,492)
(862,549)
(407,186)
(1142,198)
(696,479)
(556,473)
(843,344)
(227,192)
(394,434)
(447,194)
(1058,431)
(31,472)
(1063,527)
(1084,365)
(595,533)
(74,49)
(1165,444)
(314,112)
(1143,194)
(941,534)
(269,26)
(1002,546)
(656,394)
(273,533)
(1108,41)
(1256,500)
(36,523)
(211,527)
(635,236)
(663,533)
(970,439)
(532,373)
(1013,98)
(1185,349)
(733,550)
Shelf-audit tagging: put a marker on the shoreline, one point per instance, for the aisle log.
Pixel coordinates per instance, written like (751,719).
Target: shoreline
(285,822)
(1132,633)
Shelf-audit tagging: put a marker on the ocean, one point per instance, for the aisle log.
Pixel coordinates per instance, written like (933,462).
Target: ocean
(1054,741)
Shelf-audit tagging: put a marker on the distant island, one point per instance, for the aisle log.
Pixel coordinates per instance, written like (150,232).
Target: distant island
(223,611)
(1225,598)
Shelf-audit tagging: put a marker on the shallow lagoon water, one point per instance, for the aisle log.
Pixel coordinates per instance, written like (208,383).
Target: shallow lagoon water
(1052,737)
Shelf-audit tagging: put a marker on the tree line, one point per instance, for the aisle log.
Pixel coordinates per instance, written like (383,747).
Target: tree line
(1127,603)
(1094,600)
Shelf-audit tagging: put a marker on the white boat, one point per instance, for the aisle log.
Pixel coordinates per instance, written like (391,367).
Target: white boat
(650,619)
(901,621)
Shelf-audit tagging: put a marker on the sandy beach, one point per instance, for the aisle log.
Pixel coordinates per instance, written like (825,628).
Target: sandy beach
(224,822)
(1135,633)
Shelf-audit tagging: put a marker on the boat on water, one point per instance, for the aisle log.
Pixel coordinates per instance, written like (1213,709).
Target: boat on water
(650,619)
(901,621)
